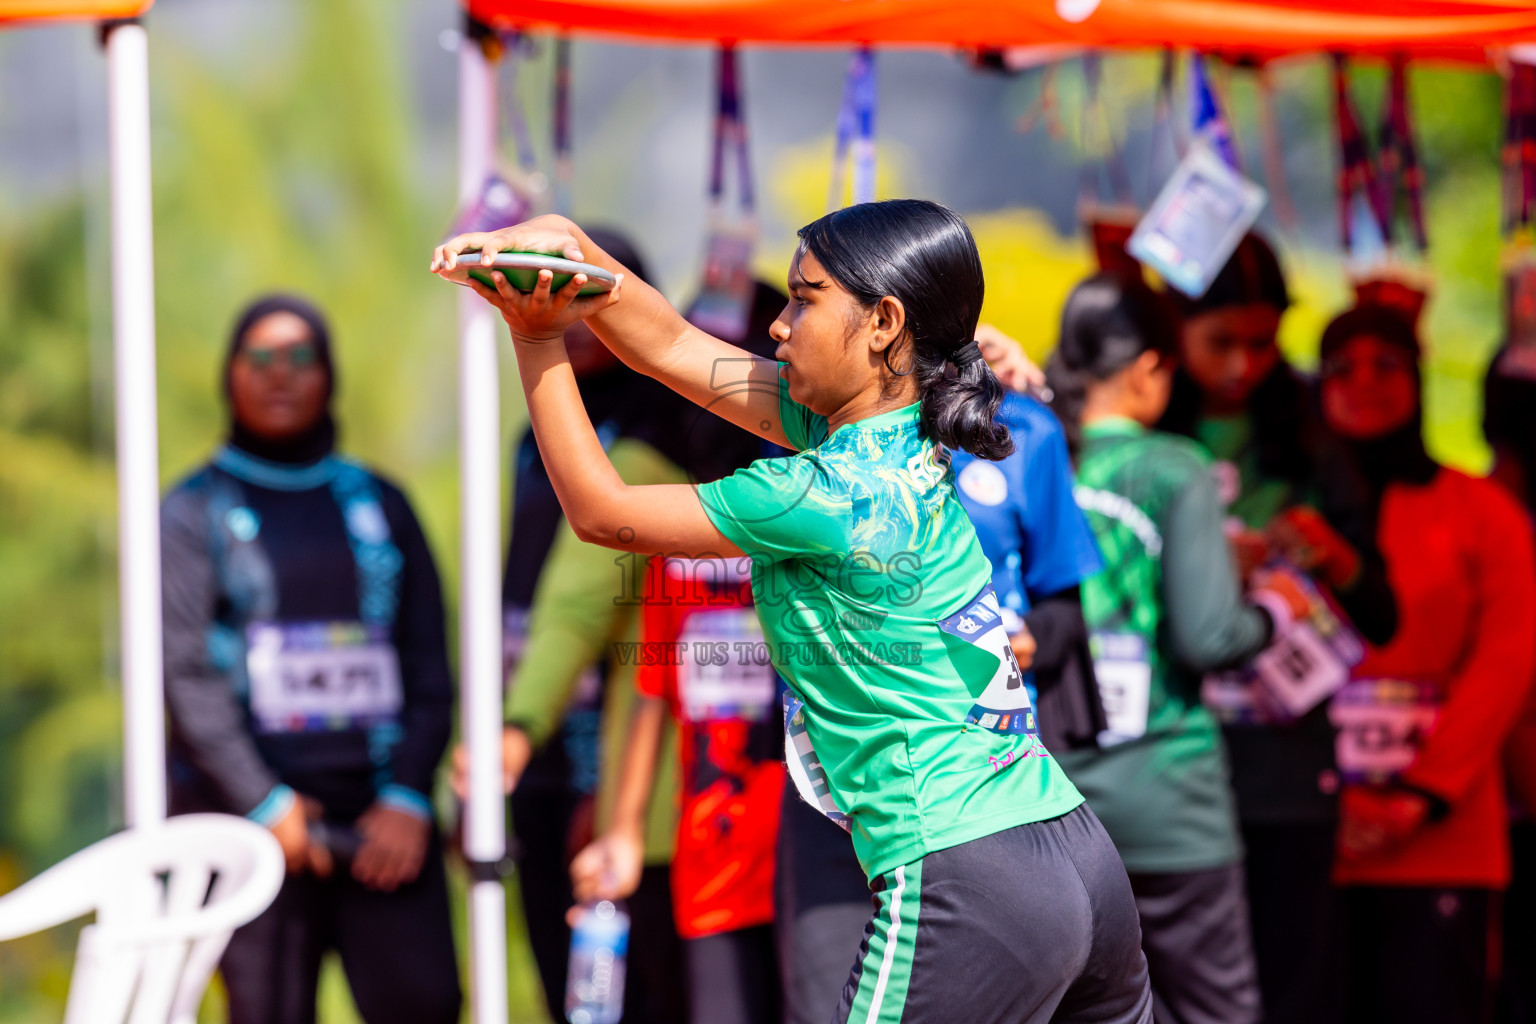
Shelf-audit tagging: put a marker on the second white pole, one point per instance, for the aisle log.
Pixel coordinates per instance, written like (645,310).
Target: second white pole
(138,436)
(480,568)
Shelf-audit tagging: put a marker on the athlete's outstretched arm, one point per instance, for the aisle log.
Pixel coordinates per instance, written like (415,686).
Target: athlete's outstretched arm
(599,505)
(640,326)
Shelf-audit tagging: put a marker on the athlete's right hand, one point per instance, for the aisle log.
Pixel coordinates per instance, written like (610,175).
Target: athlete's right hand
(516,751)
(542,315)
(609,868)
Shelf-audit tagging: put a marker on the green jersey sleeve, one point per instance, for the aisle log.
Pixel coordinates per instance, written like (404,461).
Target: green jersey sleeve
(802,428)
(778,509)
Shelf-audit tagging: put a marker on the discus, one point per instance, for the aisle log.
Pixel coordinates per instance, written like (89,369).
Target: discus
(522,272)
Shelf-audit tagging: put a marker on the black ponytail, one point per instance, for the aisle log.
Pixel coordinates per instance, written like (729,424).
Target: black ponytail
(1108,322)
(923,254)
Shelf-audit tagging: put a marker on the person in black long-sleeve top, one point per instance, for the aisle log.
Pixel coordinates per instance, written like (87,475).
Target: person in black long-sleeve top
(308,688)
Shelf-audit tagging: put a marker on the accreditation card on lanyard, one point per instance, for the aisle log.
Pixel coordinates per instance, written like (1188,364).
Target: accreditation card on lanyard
(321,676)
(725,300)
(1381,725)
(1301,668)
(725,672)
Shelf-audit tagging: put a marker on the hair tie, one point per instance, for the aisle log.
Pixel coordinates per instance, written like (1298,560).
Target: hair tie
(965,355)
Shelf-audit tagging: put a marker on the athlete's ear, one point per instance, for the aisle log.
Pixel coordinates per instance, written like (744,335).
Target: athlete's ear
(887,323)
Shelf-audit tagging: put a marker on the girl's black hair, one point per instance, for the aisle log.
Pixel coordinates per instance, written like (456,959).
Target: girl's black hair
(1109,321)
(923,254)
(1251,277)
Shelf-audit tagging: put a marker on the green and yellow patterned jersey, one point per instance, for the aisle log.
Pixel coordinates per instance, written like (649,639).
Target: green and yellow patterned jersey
(909,710)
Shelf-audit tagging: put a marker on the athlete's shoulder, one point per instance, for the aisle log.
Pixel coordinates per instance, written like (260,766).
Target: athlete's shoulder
(1028,415)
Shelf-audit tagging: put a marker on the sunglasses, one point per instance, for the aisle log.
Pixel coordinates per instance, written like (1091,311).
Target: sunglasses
(1384,364)
(301,356)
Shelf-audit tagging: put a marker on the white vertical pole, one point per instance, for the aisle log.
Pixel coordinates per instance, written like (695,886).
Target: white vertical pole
(138,453)
(480,566)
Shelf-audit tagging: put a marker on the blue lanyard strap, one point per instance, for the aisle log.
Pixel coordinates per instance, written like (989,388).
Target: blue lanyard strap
(561,119)
(730,129)
(856,130)
(1206,117)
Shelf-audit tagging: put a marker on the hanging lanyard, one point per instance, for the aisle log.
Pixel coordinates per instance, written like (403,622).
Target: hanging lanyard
(1206,118)
(1099,141)
(561,127)
(730,130)
(856,129)
(1274,155)
(1398,157)
(1520,147)
(517,44)
(1163,126)
(1356,174)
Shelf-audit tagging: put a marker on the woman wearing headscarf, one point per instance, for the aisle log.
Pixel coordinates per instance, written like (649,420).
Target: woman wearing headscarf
(1509,424)
(307,682)
(1423,846)
(1291,492)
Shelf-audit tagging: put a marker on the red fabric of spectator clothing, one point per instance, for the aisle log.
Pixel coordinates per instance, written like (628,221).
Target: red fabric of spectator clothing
(703,653)
(1459,554)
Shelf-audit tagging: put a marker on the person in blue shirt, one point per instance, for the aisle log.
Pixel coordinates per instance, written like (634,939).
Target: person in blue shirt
(1041,549)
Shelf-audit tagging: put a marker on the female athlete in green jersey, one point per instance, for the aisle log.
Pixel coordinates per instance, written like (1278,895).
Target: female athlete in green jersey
(999,896)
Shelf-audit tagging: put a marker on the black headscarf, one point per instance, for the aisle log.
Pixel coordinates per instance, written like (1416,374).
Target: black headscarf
(1397,456)
(1509,420)
(314,443)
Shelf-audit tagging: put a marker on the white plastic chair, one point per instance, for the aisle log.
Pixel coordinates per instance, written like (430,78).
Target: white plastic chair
(167,898)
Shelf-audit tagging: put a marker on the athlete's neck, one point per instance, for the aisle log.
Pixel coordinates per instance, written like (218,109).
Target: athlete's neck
(869,404)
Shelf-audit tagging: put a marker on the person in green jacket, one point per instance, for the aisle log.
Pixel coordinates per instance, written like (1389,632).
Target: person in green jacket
(1166,608)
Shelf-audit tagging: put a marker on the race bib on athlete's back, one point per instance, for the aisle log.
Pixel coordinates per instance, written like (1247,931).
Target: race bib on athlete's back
(1004,704)
(1124,674)
(321,676)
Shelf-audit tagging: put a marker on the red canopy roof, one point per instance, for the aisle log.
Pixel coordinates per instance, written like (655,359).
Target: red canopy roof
(39,10)
(1259,28)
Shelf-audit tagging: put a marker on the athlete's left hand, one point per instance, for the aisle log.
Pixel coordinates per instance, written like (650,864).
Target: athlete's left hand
(1305,539)
(393,849)
(1374,819)
(541,315)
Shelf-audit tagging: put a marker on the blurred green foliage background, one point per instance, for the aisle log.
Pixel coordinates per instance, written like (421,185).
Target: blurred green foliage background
(308,176)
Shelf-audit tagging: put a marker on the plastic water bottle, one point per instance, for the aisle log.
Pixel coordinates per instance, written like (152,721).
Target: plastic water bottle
(594,981)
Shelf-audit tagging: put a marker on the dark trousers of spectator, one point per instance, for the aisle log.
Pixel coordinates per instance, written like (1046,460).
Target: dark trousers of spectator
(1517,986)
(733,977)
(395,947)
(1422,954)
(654,991)
(1298,921)
(1195,933)
(821,904)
